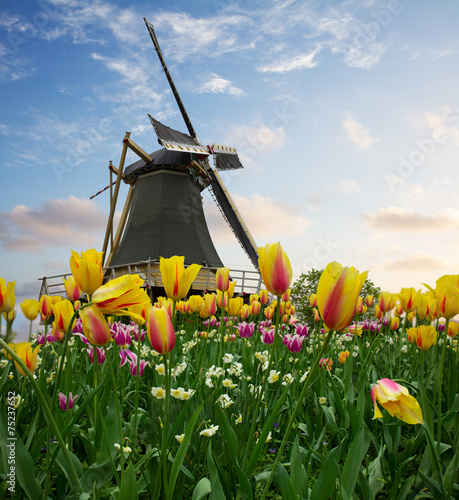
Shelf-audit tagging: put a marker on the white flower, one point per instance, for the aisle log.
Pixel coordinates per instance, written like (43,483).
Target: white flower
(322,400)
(209,382)
(227,382)
(227,358)
(160,369)
(304,376)
(158,392)
(179,438)
(235,369)
(287,379)
(177,393)
(273,376)
(225,401)
(238,420)
(355,353)
(404,348)
(187,394)
(210,431)
(3,363)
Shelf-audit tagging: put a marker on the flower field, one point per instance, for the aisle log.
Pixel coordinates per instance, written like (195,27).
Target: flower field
(216,396)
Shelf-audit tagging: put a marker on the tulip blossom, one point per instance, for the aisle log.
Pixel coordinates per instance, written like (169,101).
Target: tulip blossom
(453,329)
(176,279)
(160,330)
(360,308)
(244,311)
(275,268)
(301,330)
(30,308)
(234,306)
(222,299)
(395,323)
(27,354)
(337,294)
(313,300)
(133,364)
(426,336)
(245,329)
(396,400)
(87,270)
(326,364)
(385,302)
(66,403)
(222,279)
(369,299)
(118,296)
(407,297)
(293,342)
(72,290)
(267,335)
(447,296)
(63,313)
(101,354)
(343,355)
(7,296)
(269,312)
(195,302)
(264,297)
(255,307)
(95,327)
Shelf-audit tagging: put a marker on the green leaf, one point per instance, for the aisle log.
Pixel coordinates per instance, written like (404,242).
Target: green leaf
(330,418)
(433,486)
(326,482)
(296,469)
(285,485)
(181,453)
(406,488)
(202,489)
(216,491)
(63,464)
(353,462)
(128,489)
(451,475)
(375,480)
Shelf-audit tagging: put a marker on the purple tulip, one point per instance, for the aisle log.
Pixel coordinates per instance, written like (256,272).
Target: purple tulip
(245,329)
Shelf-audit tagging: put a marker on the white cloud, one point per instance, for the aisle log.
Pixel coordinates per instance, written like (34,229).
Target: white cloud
(284,65)
(219,85)
(358,133)
(402,220)
(343,188)
(418,261)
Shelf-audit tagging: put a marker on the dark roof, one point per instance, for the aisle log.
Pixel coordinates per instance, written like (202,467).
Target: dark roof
(161,157)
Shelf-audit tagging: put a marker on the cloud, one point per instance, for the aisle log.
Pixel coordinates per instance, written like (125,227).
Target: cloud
(301,61)
(344,187)
(218,85)
(266,219)
(358,133)
(55,223)
(418,261)
(400,219)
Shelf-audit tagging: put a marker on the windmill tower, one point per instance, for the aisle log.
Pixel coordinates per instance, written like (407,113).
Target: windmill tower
(163,214)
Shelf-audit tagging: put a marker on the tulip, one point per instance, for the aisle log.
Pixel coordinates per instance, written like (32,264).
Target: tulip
(72,290)
(63,313)
(87,270)
(264,297)
(209,307)
(313,300)
(407,298)
(222,299)
(244,311)
(394,323)
(160,330)
(235,305)
(293,342)
(222,279)
(10,316)
(453,329)
(356,330)
(447,296)
(301,330)
(30,308)
(118,296)
(269,312)
(286,296)
(267,336)
(275,268)
(231,288)
(7,296)
(369,299)
(326,364)
(95,327)
(316,315)
(343,355)
(254,297)
(337,294)
(176,279)
(195,302)
(396,400)
(245,329)
(66,404)
(27,354)
(386,302)
(423,304)
(255,307)
(426,336)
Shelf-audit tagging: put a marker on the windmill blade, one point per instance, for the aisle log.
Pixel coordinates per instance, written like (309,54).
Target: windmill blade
(173,140)
(226,157)
(230,213)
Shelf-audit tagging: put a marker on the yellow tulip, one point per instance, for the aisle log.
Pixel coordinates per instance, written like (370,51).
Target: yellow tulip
(160,330)
(72,289)
(87,270)
(46,306)
(407,297)
(447,296)
(27,354)
(176,279)
(386,302)
(195,302)
(426,337)
(264,297)
(234,306)
(95,326)
(30,308)
(118,296)
(424,304)
(343,355)
(275,268)
(63,313)
(337,294)
(7,296)
(396,400)
(394,323)
(453,329)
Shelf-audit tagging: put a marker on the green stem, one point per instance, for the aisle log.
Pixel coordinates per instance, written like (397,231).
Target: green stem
(165,429)
(48,415)
(295,412)
(440,384)
(136,396)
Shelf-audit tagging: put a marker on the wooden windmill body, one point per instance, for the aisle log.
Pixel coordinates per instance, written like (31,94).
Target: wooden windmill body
(163,213)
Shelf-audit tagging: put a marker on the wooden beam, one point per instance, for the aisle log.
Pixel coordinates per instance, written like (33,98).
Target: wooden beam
(115,195)
(121,225)
(138,150)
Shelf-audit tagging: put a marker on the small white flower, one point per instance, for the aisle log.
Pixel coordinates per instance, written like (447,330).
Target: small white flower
(187,394)
(160,369)
(273,376)
(227,382)
(158,392)
(225,401)
(177,393)
(355,353)
(210,431)
(209,382)
(322,400)
(227,358)
(238,420)
(179,438)
(304,376)
(287,379)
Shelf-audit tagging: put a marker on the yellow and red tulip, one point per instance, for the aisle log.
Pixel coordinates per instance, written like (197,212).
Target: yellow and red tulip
(395,323)
(337,294)
(95,326)
(160,330)
(386,302)
(426,336)
(453,329)
(275,268)
(407,297)
(87,270)
(30,308)
(63,313)
(369,299)
(264,296)
(222,299)
(176,279)
(396,399)
(222,279)
(46,306)
(7,296)
(447,296)
(235,305)
(313,300)
(255,307)
(343,355)
(72,289)
(27,354)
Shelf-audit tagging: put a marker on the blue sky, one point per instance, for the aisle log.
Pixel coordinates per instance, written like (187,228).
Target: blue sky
(345,115)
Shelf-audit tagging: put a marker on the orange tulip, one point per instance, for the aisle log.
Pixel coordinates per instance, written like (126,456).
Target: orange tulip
(275,268)
(394,323)
(343,355)
(337,294)
(87,270)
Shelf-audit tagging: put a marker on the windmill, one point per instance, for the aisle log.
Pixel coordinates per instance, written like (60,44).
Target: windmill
(163,214)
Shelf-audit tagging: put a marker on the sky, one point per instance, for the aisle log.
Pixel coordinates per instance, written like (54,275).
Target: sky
(345,115)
